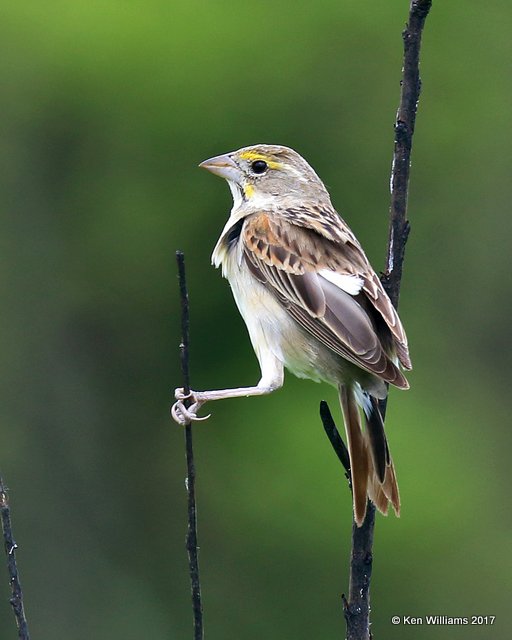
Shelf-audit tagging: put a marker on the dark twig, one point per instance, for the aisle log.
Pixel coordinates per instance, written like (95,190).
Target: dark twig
(357,607)
(10,547)
(191,542)
(404,130)
(335,439)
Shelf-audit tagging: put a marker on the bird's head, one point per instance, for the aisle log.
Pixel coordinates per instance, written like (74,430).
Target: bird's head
(265,174)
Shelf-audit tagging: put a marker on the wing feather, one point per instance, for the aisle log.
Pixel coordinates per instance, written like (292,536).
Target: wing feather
(291,261)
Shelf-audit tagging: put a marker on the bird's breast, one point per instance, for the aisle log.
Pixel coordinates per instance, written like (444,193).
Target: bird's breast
(271,328)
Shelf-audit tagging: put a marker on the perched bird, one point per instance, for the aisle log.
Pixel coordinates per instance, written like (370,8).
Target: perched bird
(311,302)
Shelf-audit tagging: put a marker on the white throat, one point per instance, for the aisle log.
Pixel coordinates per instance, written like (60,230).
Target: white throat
(236,193)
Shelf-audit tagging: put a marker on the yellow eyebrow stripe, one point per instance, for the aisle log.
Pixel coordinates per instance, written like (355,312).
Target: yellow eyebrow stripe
(254,155)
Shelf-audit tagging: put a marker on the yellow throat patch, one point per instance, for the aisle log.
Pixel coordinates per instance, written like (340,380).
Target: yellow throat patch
(249,190)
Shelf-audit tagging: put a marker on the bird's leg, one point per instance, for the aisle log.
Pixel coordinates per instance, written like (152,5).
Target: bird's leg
(272,379)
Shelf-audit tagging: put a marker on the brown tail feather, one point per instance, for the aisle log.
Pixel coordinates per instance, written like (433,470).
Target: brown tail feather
(372,469)
(358,452)
(387,492)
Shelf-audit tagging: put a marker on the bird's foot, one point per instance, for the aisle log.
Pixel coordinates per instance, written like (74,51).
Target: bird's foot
(184,414)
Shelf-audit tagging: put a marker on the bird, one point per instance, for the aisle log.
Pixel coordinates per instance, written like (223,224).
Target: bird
(312,304)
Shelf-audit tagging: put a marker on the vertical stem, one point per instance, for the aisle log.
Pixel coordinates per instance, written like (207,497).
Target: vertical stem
(357,608)
(10,547)
(191,541)
(404,130)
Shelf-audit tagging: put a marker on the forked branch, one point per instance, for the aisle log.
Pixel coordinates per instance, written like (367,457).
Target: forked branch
(357,605)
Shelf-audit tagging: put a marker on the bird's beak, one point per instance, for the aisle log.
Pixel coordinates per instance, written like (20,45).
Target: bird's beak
(222,166)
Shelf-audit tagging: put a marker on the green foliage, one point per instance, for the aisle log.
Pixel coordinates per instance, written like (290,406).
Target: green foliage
(108,107)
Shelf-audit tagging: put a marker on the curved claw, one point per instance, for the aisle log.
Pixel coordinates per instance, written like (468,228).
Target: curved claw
(183,415)
(179,394)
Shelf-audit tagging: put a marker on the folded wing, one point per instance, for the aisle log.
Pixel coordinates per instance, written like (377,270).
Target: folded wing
(320,274)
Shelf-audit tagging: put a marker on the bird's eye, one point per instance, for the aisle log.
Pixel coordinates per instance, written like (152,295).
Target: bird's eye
(259,166)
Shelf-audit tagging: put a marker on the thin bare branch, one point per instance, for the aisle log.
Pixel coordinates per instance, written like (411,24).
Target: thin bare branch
(10,547)
(404,130)
(357,606)
(340,448)
(191,541)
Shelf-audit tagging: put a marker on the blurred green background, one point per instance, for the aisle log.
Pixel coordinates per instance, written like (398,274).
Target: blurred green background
(107,108)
